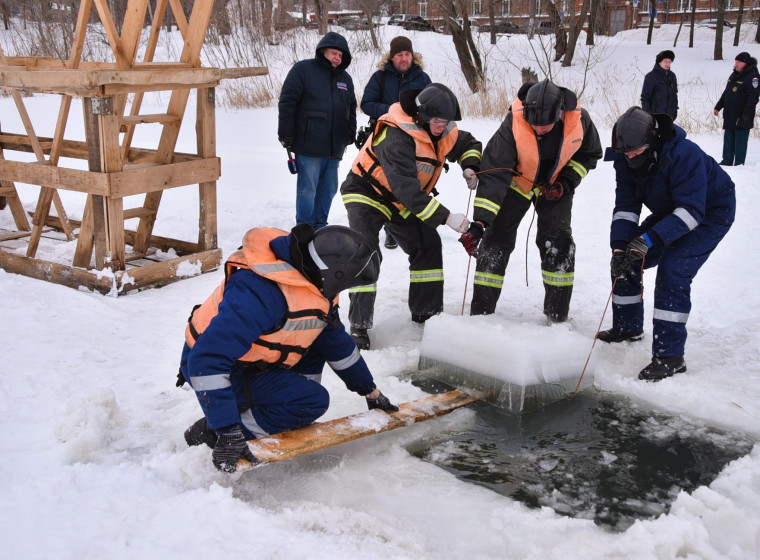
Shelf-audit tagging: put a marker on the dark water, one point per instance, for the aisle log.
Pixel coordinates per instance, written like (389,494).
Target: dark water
(594,457)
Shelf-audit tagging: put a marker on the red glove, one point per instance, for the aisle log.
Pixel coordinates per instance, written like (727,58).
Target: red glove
(553,192)
(471,239)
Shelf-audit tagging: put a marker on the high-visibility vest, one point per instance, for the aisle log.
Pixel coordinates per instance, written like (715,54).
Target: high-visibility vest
(527,146)
(307,308)
(430,158)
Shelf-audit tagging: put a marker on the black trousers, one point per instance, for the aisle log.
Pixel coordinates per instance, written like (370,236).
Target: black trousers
(554,239)
(423,246)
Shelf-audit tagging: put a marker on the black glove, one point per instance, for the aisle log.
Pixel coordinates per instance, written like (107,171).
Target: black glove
(622,261)
(286,142)
(745,122)
(553,192)
(230,446)
(361,137)
(382,403)
(471,239)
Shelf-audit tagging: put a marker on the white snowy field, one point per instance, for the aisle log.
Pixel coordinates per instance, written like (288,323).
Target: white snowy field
(92,459)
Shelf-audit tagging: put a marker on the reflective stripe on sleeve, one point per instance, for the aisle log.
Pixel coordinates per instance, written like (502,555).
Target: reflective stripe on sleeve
(210,382)
(629,216)
(684,215)
(486,204)
(346,363)
(429,210)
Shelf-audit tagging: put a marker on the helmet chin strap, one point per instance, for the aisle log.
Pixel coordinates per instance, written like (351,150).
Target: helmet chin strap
(315,257)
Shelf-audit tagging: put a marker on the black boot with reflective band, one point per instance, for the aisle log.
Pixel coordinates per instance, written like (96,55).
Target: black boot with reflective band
(660,368)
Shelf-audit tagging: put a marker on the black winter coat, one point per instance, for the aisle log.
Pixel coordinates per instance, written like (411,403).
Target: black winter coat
(387,83)
(317,107)
(660,92)
(740,97)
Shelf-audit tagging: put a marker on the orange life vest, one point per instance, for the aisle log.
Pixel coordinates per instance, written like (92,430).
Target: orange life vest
(527,152)
(307,308)
(430,157)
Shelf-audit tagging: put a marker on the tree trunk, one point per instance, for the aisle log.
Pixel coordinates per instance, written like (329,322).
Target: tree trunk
(652,14)
(718,51)
(575,32)
(467,52)
(592,22)
(560,43)
(691,29)
(739,17)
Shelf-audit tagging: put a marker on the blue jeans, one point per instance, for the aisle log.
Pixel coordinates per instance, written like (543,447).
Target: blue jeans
(735,146)
(315,189)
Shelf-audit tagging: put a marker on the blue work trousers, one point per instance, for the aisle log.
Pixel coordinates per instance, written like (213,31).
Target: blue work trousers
(677,265)
(315,189)
(735,146)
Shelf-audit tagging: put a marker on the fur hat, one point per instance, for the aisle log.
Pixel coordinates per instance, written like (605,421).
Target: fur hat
(401,44)
(665,54)
(743,57)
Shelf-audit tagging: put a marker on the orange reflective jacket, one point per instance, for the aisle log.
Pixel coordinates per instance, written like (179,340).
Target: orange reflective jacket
(430,158)
(527,152)
(307,307)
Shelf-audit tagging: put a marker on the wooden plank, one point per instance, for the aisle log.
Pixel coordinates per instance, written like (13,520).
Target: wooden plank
(131,120)
(54,272)
(50,176)
(161,177)
(205,130)
(314,437)
(165,272)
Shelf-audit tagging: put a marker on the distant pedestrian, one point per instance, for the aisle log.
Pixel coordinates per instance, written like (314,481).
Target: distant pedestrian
(660,91)
(692,205)
(317,121)
(738,102)
(400,69)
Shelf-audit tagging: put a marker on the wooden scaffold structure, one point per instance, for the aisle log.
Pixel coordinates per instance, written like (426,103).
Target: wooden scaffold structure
(109,258)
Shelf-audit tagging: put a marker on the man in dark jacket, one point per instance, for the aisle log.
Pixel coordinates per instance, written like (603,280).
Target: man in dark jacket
(543,149)
(255,349)
(391,182)
(400,69)
(738,102)
(317,120)
(693,204)
(660,91)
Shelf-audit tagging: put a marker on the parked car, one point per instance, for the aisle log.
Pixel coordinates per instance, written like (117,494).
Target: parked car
(399,19)
(713,23)
(354,23)
(446,30)
(417,23)
(500,27)
(540,28)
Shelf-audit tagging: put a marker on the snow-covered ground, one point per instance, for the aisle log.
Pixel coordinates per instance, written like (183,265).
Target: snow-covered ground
(92,459)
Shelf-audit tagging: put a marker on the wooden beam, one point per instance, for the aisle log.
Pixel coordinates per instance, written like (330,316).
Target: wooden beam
(205,131)
(60,177)
(161,177)
(321,435)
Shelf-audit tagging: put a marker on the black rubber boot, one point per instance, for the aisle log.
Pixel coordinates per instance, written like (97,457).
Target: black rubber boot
(199,433)
(612,335)
(361,338)
(660,368)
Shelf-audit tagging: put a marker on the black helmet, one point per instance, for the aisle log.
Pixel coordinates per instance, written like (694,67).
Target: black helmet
(634,130)
(543,104)
(437,101)
(334,258)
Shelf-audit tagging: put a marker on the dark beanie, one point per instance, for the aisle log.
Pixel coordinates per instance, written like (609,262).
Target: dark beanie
(400,44)
(743,57)
(665,54)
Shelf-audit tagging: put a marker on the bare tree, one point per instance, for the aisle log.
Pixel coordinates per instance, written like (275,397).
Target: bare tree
(718,51)
(464,45)
(560,43)
(739,17)
(575,32)
(652,15)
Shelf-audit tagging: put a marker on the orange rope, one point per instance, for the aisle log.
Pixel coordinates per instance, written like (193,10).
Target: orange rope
(599,328)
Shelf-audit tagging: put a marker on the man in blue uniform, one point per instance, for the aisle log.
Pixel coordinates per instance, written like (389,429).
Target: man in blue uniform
(738,103)
(255,349)
(659,94)
(693,205)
